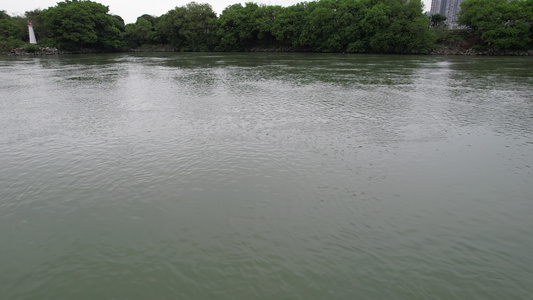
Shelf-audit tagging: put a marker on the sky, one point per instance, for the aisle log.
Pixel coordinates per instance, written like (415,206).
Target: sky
(129,10)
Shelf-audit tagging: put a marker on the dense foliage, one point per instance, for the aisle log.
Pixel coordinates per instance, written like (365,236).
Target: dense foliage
(82,24)
(11,35)
(499,24)
(188,28)
(358,26)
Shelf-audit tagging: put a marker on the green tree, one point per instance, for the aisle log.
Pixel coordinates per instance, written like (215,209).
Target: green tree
(82,24)
(11,35)
(152,19)
(139,33)
(288,25)
(264,17)
(499,24)
(332,25)
(118,21)
(189,28)
(237,28)
(169,24)
(351,12)
(437,21)
(8,28)
(322,29)
(4,15)
(395,26)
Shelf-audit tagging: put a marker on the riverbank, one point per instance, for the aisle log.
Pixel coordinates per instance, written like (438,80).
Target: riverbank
(37,51)
(441,51)
(474,52)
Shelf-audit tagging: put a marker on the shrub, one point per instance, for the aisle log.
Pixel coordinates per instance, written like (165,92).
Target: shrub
(31,48)
(9,44)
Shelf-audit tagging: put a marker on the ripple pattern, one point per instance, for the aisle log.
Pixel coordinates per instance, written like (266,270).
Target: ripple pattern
(262,176)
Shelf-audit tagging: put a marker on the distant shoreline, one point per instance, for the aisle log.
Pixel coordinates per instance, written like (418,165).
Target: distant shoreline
(442,51)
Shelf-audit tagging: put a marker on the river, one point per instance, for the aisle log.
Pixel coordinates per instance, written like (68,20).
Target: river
(266,176)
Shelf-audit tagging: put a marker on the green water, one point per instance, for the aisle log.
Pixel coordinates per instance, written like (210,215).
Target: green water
(266,176)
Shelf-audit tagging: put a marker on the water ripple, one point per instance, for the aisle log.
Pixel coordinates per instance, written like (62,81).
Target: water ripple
(287,176)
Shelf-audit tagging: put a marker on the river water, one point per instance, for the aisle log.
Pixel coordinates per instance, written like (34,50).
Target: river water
(266,176)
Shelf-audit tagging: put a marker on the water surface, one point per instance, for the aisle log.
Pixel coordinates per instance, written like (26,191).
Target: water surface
(266,176)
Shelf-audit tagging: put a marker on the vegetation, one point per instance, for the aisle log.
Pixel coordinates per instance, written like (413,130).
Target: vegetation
(188,28)
(75,24)
(357,26)
(11,35)
(437,21)
(499,24)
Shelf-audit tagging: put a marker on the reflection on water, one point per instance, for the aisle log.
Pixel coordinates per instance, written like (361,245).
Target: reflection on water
(254,175)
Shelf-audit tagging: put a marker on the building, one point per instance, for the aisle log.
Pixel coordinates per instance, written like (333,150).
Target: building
(449,8)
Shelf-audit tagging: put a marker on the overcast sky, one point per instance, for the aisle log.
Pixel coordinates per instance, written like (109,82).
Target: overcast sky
(129,10)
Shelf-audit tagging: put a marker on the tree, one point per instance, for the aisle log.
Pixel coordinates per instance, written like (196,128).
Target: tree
(322,29)
(199,27)
(437,20)
(264,17)
(119,23)
(395,26)
(189,28)
(73,25)
(237,28)
(351,12)
(9,29)
(499,24)
(152,19)
(288,25)
(139,33)
(11,35)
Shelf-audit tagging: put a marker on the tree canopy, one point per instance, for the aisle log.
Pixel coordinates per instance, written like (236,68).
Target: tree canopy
(437,20)
(499,24)
(82,24)
(358,26)
(189,28)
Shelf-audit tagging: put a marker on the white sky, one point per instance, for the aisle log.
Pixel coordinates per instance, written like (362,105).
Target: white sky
(129,10)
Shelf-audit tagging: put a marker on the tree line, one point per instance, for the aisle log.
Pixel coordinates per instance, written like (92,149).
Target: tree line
(357,26)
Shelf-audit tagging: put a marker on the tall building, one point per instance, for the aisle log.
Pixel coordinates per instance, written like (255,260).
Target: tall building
(449,8)
(438,7)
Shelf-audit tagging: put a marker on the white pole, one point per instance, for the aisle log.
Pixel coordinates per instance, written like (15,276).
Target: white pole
(33,40)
